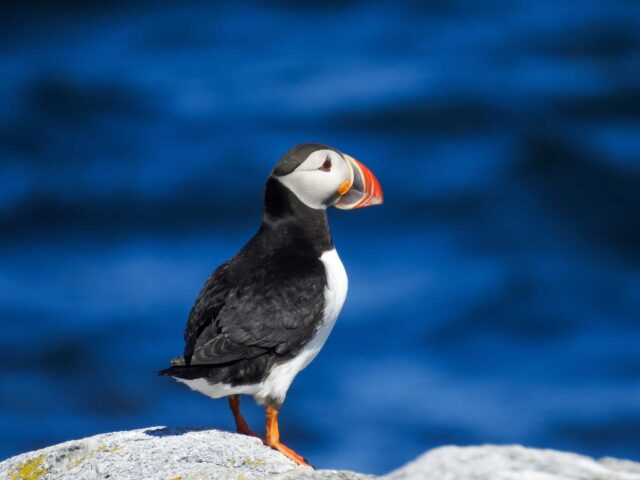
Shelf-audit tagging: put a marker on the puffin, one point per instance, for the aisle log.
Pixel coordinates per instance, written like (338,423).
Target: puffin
(263,316)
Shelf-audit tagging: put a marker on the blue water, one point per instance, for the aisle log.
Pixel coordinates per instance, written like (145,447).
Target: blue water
(495,297)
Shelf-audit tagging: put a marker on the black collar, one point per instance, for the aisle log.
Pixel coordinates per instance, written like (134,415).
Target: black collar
(293,221)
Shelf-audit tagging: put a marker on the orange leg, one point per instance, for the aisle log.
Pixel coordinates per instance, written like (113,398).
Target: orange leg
(272,438)
(241,423)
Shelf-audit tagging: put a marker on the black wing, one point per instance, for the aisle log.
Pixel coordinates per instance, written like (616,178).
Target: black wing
(259,302)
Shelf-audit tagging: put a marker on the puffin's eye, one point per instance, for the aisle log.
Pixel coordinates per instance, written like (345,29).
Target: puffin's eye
(326,166)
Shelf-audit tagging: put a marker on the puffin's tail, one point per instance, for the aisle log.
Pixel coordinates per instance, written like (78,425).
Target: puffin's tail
(172,372)
(190,372)
(178,366)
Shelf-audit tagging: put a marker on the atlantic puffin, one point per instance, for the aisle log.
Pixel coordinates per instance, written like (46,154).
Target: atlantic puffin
(264,315)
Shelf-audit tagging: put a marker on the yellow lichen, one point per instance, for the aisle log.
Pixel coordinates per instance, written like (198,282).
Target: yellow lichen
(108,449)
(253,462)
(78,461)
(176,478)
(29,470)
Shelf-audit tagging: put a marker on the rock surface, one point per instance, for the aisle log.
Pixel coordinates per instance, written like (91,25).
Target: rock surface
(184,454)
(513,462)
(160,453)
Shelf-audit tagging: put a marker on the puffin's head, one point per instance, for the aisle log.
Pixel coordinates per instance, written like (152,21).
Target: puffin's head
(321,176)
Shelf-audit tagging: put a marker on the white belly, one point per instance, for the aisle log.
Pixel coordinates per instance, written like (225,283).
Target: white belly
(335,293)
(280,377)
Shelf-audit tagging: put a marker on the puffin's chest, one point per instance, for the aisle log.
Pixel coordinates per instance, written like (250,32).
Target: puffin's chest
(335,293)
(336,289)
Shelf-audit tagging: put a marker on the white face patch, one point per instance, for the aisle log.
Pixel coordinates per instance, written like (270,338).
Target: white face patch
(315,185)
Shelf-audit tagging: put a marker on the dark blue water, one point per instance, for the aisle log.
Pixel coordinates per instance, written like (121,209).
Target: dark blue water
(495,297)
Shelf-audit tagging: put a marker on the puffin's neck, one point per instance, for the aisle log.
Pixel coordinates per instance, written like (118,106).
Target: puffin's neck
(294,222)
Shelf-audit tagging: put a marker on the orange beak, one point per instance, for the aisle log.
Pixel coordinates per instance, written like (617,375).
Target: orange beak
(364,191)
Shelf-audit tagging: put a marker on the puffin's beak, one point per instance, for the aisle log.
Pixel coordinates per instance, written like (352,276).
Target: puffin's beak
(364,191)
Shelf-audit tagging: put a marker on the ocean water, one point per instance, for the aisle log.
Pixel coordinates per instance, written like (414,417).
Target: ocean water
(494,298)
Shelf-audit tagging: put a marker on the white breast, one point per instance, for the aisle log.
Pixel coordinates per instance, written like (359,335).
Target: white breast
(335,293)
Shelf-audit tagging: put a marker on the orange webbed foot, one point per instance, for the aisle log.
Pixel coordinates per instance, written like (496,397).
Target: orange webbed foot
(245,430)
(272,438)
(287,452)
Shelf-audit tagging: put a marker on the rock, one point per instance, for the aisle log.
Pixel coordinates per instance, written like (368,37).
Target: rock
(490,462)
(160,453)
(164,453)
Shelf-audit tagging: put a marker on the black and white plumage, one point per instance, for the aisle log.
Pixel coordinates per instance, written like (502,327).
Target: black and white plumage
(263,315)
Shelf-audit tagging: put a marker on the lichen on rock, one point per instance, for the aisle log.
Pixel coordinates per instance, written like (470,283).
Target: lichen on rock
(29,470)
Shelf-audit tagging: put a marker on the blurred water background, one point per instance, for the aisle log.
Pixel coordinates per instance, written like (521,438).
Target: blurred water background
(494,298)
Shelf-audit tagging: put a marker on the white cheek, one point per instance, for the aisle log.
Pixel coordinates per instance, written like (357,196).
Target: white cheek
(313,188)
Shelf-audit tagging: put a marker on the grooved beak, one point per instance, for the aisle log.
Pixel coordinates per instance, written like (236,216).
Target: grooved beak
(365,190)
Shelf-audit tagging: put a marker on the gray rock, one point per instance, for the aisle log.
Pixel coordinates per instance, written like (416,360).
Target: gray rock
(160,453)
(180,454)
(490,462)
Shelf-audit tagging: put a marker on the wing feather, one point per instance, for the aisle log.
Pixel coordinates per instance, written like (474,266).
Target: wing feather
(256,305)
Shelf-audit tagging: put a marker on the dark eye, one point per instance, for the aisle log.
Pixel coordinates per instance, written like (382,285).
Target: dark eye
(326,166)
